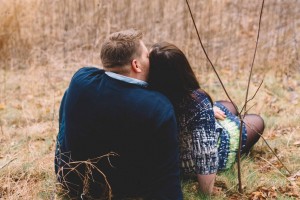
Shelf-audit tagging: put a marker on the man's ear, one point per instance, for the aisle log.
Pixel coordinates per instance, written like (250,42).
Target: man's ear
(135,66)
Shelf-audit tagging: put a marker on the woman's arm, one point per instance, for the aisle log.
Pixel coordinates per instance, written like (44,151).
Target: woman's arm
(204,132)
(219,114)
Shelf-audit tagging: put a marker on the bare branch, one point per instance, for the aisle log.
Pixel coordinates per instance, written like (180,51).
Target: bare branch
(239,154)
(8,163)
(1,127)
(187,2)
(252,64)
(246,99)
(239,113)
(270,164)
(240,137)
(268,147)
(244,107)
(250,108)
(87,177)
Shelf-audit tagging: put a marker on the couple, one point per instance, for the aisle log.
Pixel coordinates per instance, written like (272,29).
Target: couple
(153,117)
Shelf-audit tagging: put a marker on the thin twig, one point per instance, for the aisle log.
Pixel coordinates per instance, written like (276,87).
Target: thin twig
(246,99)
(250,108)
(239,154)
(268,164)
(239,113)
(1,127)
(252,64)
(8,163)
(276,167)
(269,148)
(244,107)
(87,177)
(187,2)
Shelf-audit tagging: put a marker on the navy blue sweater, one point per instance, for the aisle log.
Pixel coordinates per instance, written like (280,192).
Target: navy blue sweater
(98,115)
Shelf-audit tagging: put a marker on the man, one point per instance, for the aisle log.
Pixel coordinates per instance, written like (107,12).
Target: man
(112,110)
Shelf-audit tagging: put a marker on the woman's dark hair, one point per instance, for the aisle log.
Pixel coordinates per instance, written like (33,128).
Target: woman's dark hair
(170,73)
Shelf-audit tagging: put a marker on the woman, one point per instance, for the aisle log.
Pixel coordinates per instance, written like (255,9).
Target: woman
(207,144)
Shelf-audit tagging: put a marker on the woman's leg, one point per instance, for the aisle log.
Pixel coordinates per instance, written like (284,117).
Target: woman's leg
(229,106)
(255,127)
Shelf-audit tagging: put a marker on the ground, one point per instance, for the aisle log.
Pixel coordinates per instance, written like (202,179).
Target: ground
(29,103)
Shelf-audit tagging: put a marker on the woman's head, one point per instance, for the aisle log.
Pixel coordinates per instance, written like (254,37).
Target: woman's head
(170,72)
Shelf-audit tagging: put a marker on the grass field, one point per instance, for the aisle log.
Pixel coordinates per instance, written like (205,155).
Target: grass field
(38,56)
(29,115)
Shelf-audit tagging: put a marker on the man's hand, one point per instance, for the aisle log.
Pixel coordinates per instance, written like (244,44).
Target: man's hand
(219,114)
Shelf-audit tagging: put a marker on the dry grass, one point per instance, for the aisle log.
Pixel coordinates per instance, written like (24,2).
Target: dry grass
(36,32)
(42,43)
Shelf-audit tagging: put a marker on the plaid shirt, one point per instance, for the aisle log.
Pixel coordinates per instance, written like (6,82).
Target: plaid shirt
(198,135)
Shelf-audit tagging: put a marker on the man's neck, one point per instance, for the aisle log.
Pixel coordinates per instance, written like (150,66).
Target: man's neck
(127,79)
(124,71)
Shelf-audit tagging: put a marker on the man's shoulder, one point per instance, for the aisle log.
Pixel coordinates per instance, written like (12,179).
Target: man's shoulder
(87,71)
(154,103)
(86,76)
(154,97)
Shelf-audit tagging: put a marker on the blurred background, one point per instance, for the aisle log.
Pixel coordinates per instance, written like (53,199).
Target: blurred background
(40,32)
(43,42)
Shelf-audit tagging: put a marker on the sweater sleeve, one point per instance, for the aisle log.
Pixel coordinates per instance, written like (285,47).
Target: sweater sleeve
(198,139)
(164,149)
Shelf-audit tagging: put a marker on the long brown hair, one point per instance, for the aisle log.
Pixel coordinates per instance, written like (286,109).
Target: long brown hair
(171,74)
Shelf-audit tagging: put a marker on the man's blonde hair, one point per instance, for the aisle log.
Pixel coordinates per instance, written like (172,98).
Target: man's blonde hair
(120,47)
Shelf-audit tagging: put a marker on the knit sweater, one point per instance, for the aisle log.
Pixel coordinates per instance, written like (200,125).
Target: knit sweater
(100,114)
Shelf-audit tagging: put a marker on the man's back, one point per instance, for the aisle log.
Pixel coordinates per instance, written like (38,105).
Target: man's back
(100,114)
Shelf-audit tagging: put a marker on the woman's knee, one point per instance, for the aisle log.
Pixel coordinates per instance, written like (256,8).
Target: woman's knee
(230,106)
(255,122)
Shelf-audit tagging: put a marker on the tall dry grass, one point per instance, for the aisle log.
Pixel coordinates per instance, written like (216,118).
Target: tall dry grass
(39,32)
(43,42)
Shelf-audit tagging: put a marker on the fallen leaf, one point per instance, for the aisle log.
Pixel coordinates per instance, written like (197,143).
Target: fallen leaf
(264,193)
(217,191)
(18,106)
(235,197)
(47,110)
(194,188)
(292,194)
(297,143)
(2,106)
(291,190)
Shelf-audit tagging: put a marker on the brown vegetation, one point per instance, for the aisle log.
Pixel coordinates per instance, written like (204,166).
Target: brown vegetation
(63,32)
